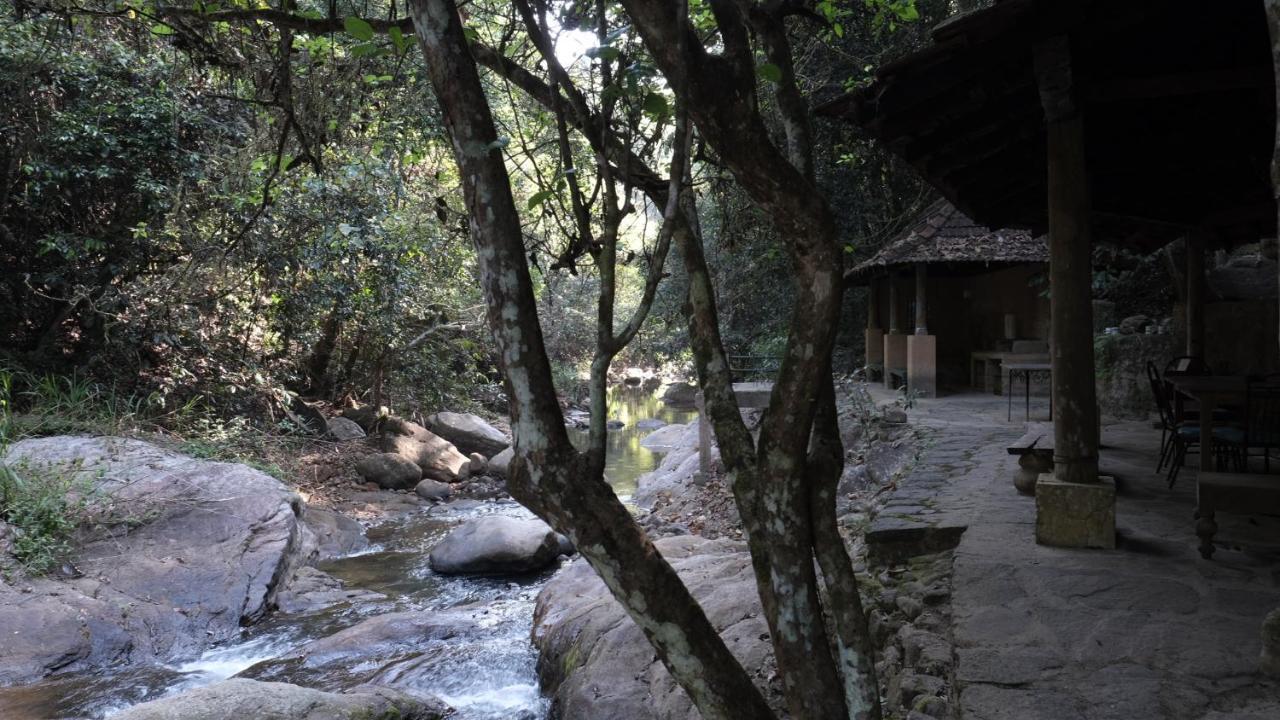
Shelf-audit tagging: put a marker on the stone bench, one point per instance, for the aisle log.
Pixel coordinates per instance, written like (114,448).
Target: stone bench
(1035,456)
(1236,493)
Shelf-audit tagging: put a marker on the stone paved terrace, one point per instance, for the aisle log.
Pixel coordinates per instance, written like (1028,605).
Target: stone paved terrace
(1149,630)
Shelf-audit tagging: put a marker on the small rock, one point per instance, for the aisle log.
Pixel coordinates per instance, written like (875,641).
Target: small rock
(498,464)
(651,424)
(908,686)
(429,489)
(930,706)
(937,594)
(367,416)
(1134,324)
(895,416)
(478,463)
(389,471)
(615,424)
(345,430)
(909,606)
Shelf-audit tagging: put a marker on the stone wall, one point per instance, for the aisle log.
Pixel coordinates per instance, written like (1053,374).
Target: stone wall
(1120,366)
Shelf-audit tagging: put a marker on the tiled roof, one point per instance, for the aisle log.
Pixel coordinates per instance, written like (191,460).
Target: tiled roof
(943,234)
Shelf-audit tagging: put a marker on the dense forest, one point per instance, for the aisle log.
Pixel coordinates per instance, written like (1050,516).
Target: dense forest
(221,219)
(202,206)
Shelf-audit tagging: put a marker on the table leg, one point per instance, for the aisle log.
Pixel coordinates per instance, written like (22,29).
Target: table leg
(1026,386)
(1205,530)
(1207,406)
(1009,398)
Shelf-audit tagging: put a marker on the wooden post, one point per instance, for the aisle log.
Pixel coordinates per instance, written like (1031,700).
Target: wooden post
(895,327)
(873,304)
(1195,294)
(1075,406)
(922,326)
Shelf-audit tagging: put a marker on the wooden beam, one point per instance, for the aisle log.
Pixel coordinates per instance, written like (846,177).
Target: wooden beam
(1075,406)
(1112,89)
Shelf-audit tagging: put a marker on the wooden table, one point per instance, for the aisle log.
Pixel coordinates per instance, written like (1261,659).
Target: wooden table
(1212,392)
(1028,370)
(1231,493)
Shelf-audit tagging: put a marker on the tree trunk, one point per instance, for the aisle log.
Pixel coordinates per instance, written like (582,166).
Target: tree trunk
(322,353)
(547,473)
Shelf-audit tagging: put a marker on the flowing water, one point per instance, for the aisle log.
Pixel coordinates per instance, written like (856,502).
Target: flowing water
(488,675)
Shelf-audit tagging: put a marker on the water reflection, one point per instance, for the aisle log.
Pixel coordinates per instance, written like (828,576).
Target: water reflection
(626,460)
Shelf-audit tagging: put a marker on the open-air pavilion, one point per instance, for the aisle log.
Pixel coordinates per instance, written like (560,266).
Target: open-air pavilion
(1140,122)
(976,298)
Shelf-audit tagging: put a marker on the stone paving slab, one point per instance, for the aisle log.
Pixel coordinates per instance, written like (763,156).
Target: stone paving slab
(1149,630)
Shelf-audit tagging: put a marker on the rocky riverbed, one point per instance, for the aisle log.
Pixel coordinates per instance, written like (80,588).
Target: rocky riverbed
(204,587)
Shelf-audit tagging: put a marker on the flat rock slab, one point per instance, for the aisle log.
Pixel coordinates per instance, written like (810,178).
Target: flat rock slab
(597,662)
(241,699)
(354,654)
(498,545)
(184,552)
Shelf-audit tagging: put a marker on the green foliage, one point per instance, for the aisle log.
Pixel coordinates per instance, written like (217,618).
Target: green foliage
(45,508)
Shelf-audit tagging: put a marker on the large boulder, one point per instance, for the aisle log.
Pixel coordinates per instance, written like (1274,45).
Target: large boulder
(676,475)
(597,663)
(390,470)
(680,395)
(250,699)
(498,545)
(438,458)
(182,553)
(470,433)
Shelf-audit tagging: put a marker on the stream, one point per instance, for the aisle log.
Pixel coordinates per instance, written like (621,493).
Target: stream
(485,676)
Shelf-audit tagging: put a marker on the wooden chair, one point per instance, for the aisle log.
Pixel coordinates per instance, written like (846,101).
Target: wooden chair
(1262,421)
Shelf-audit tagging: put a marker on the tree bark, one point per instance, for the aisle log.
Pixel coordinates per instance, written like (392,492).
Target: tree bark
(547,473)
(773,495)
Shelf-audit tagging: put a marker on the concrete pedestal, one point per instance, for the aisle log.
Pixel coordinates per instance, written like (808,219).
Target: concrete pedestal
(895,358)
(875,351)
(1081,515)
(922,365)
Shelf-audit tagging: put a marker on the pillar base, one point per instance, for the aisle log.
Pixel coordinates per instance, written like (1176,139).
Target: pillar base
(1030,467)
(1080,515)
(895,358)
(922,365)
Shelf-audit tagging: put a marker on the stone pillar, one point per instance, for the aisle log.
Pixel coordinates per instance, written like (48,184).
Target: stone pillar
(874,334)
(1072,507)
(895,343)
(922,299)
(1195,294)
(922,348)
(895,326)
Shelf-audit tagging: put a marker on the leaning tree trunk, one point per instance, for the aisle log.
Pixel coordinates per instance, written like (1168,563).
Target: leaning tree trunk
(548,475)
(785,508)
